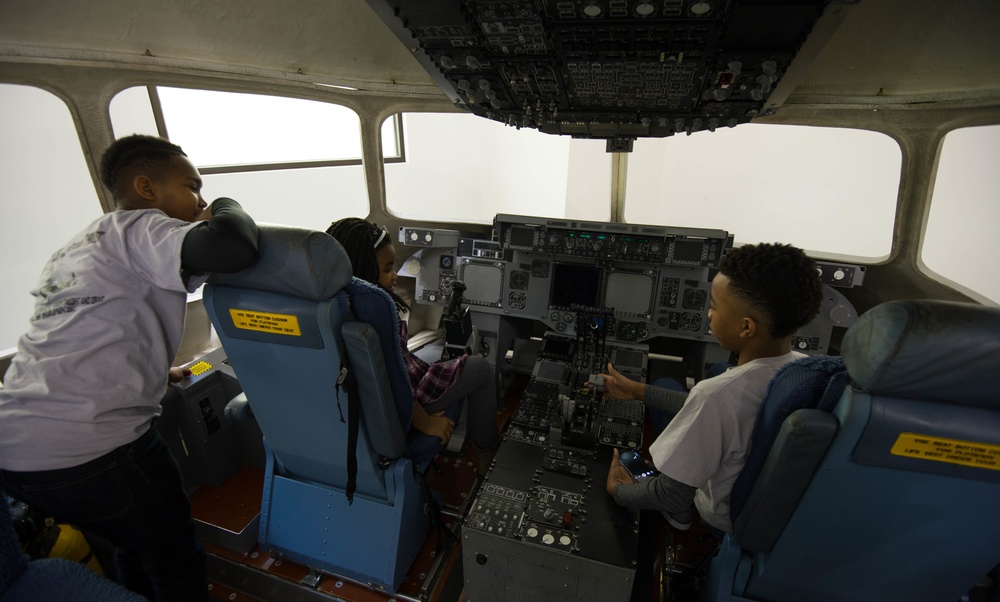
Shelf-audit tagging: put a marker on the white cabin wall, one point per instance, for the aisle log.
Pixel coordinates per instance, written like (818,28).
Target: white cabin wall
(47,196)
(831,191)
(961,227)
(919,129)
(461,168)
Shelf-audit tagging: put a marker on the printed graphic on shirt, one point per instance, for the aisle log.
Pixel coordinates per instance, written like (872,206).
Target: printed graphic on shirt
(66,306)
(260,321)
(87,239)
(57,280)
(53,286)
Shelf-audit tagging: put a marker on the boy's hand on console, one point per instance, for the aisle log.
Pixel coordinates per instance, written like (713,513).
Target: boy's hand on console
(618,386)
(176,375)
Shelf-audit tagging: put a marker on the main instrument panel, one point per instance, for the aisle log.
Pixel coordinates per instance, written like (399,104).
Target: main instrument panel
(654,280)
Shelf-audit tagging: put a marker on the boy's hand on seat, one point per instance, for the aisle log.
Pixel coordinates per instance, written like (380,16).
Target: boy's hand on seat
(176,375)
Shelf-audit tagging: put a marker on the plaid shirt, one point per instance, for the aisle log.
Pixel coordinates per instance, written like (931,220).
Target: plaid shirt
(429,381)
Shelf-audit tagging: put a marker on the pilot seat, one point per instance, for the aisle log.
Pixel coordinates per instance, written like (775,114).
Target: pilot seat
(882,483)
(317,353)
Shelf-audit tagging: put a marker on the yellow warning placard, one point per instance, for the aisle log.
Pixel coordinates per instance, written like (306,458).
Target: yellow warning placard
(199,368)
(286,324)
(952,451)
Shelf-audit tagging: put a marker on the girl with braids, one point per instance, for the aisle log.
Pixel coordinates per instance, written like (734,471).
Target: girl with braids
(435,386)
(83,390)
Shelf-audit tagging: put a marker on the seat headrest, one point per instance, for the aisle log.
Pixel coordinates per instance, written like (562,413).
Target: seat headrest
(294,261)
(927,350)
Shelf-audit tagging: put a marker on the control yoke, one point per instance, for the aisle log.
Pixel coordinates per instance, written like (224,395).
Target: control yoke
(460,336)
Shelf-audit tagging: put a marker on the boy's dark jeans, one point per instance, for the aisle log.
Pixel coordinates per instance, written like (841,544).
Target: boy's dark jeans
(134,498)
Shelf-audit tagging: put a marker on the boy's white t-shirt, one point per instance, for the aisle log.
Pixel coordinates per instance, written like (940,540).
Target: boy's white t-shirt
(89,373)
(707,443)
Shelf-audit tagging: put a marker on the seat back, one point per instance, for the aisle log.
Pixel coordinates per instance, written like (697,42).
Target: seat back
(280,323)
(902,505)
(373,307)
(785,451)
(329,392)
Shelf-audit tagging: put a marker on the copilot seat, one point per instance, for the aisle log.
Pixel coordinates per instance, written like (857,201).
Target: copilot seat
(892,492)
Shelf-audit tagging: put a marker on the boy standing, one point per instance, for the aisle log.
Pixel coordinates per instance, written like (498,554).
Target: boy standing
(760,297)
(83,390)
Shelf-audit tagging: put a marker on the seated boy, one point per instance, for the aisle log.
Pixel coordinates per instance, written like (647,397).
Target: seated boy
(83,390)
(760,297)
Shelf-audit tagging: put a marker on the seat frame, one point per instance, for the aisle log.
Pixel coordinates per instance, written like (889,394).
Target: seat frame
(294,382)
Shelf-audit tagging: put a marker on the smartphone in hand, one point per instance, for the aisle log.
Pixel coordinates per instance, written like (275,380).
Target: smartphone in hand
(635,466)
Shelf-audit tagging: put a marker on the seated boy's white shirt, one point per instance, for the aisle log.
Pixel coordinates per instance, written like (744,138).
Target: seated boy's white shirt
(706,444)
(108,319)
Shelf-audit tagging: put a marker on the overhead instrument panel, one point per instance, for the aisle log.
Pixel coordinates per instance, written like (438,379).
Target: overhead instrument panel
(615,69)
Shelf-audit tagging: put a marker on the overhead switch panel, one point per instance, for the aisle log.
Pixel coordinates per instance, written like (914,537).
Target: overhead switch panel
(614,69)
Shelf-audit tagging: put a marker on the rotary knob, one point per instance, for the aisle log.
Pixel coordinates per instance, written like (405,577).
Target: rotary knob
(840,314)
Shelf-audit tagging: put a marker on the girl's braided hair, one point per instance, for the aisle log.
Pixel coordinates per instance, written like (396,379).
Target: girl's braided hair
(358,237)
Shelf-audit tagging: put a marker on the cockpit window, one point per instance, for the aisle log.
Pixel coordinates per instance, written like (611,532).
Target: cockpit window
(960,240)
(258,149)
(464,168)
(227,129)
(827,190)
(48,195)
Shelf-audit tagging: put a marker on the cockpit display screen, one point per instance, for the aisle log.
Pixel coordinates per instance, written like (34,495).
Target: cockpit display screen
(552,372)
(629,292)
(688,250)
(575,284)
(522,237)
(628,359)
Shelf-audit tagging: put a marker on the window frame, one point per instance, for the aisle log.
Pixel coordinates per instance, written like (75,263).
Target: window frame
(161,128)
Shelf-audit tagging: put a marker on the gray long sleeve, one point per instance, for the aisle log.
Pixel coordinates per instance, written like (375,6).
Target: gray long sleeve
(657,493)
(665,400)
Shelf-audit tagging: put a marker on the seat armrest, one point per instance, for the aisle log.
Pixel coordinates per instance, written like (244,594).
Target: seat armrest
(238,409)
(378,408)
(799,448)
